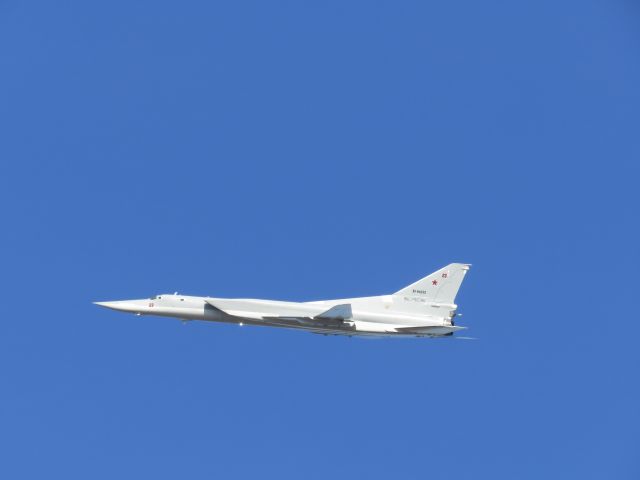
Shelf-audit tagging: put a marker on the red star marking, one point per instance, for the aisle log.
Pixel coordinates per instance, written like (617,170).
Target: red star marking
(434,282)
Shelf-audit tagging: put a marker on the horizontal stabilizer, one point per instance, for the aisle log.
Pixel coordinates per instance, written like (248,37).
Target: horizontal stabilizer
(431,330)
(338,312)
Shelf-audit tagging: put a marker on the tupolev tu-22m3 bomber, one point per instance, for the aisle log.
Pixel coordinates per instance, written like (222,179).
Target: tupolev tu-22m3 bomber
(425,308)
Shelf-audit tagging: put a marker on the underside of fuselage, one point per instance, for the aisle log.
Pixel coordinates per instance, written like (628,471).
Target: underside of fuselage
(369,316)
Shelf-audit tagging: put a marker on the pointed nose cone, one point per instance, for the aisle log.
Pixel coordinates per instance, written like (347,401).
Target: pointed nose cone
(104,304)
(121,305)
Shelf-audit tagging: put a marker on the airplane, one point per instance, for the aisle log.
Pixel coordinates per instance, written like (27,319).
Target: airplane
(425,308)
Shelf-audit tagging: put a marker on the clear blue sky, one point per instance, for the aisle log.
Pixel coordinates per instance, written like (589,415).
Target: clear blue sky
(308,150)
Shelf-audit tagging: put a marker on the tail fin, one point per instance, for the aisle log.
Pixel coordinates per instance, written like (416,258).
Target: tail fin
(441,286)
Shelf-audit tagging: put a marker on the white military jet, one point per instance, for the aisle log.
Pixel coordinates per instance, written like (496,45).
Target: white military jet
(425,308)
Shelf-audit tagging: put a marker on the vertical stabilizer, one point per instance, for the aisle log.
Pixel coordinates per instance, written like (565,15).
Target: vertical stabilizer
(439,287)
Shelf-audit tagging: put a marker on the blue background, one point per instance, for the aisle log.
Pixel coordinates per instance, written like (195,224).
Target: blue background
(310,150)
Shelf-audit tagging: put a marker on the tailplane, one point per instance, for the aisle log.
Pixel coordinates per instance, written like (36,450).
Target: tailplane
(439,287)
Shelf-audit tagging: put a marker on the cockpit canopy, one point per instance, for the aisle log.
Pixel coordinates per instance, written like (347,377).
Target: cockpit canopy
(159,297)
